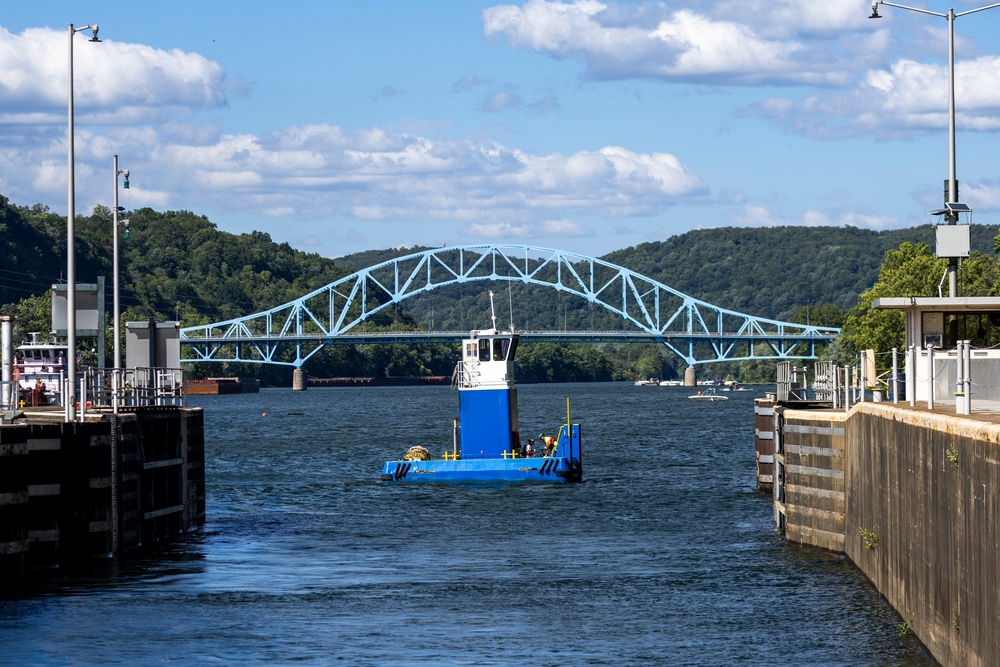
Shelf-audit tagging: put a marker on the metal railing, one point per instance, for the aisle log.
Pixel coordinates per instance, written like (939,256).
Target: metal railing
(464,375)
(108,388)
(132,387)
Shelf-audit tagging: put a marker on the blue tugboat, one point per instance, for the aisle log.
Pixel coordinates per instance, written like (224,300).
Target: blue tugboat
(486,442)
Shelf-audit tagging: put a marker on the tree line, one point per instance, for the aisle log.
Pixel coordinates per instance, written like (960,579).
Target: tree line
(177,265)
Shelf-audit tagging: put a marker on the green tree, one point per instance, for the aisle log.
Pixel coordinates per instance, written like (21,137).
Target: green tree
(33,313)
(910,270)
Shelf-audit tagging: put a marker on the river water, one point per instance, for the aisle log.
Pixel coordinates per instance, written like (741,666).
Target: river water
(665,555)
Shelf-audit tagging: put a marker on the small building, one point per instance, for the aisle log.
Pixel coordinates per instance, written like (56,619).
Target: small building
(939,323)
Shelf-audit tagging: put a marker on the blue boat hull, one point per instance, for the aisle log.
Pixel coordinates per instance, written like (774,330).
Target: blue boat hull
(556,470)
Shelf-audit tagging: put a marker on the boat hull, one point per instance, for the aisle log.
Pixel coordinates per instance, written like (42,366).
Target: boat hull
(551,470)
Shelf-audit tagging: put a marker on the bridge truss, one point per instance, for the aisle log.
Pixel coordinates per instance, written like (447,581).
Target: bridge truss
(695,330)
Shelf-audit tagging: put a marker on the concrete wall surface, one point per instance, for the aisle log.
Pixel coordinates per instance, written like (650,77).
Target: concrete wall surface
(65,497)
(920,513)
(927,487)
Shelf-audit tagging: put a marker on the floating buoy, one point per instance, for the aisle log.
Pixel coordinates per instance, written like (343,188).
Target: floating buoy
(263,414)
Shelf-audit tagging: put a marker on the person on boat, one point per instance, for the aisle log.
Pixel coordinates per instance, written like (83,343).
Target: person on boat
(38,397)
(529,449)
(701,393)
(550,444)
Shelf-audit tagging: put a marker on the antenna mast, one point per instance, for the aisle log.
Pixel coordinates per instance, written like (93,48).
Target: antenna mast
(510,304)
(493,315)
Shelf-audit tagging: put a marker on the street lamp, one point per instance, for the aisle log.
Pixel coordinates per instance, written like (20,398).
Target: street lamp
(951,212)
(114,236)
(70,244)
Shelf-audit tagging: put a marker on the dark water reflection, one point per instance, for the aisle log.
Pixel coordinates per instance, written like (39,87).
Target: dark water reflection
(664,555)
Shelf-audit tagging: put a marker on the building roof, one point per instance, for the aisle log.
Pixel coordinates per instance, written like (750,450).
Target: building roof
(952,304)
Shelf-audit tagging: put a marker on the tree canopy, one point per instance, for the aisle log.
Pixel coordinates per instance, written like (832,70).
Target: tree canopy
(179,265)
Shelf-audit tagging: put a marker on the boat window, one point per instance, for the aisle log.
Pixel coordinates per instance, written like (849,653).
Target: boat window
(500,347)
(513,349)
(470,351)
(484,349)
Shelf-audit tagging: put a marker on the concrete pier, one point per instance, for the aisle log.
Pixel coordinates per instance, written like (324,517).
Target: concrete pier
(299,380)
(106,486)
(690,378)
(912,497)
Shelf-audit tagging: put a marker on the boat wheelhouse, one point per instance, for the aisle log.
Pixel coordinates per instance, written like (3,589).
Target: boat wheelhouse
(486,443)
(40,370)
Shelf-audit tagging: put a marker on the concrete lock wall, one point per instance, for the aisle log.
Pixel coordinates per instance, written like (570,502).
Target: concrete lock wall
(921,515)
(809,462)
(927,485)
(61,490)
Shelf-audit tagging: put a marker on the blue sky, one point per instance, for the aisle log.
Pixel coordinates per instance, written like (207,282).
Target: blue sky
(581,125)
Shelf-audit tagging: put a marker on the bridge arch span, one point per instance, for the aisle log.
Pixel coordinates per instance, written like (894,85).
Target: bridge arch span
(695,330)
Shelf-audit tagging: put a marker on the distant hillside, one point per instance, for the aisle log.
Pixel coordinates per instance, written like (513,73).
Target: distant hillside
(174,263)
(764,271)
(177,264)
(771,271)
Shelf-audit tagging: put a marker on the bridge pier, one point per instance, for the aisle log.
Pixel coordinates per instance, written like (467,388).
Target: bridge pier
(299,380)
(690,379)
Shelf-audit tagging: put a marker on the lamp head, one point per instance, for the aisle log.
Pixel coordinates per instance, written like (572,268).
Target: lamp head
(875,14)
(94,28)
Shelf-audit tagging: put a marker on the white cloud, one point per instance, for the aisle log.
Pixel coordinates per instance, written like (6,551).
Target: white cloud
(982,196)
(501,101)
(752,215)
(321,171)
(526,230)
(113,81)
(907,98)
(733,43)
(467,82)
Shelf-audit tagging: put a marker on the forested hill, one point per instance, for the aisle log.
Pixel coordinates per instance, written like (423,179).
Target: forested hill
(175,264)
(771,271)
(763,271)
(178,264)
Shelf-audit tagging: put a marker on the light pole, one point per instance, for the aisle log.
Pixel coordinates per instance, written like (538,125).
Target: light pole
(70,397)
(952,194)
(114,236)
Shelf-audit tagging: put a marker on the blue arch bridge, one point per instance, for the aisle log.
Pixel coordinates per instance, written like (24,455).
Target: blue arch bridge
(697,331)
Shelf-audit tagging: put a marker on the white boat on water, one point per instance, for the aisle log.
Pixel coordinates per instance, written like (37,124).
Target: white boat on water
(651,382)
(734,386)
(707,396)
(40,368)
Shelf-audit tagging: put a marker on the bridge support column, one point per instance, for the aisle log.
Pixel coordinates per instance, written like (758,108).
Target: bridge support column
(299,380)
(690,379)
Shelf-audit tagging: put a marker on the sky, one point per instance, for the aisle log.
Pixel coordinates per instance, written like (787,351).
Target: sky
(580,125)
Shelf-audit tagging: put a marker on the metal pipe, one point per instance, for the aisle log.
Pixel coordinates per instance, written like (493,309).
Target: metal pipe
(952,178)
(847,389)
(9,393)
(70,396)
(569,432)
(951,217)
(960,378)
(911,375)
(968,377)
(895,376)
(114,246)
(930,377)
